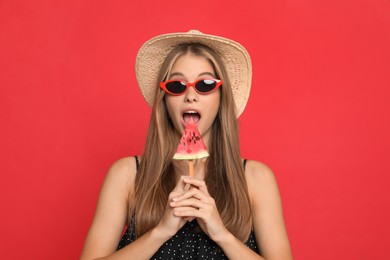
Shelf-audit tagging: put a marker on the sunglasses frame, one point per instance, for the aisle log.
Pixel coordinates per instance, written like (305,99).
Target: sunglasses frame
(188,84)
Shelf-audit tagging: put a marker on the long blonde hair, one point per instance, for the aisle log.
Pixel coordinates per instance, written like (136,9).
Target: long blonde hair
(224,175)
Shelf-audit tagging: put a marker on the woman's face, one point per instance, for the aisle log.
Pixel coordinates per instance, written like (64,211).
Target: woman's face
(202,108)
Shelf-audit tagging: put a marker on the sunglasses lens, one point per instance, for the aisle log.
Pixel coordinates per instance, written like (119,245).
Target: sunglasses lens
(206,85)
(176,87)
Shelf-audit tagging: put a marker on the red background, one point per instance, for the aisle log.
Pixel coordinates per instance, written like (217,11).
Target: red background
(318,113)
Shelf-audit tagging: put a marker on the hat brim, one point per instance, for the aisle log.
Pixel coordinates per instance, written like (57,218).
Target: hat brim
(234,56)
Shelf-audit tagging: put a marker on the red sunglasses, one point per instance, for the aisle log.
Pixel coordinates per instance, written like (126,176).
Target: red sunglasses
(202,86)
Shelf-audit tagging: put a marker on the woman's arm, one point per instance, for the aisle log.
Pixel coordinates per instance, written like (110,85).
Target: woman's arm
(268,221)
(111,211)
(111,216)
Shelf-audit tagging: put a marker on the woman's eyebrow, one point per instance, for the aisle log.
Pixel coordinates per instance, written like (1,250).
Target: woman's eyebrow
(206,73)
(182,75)
(175,74)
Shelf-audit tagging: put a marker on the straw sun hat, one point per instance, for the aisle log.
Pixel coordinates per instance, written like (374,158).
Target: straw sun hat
(235,57)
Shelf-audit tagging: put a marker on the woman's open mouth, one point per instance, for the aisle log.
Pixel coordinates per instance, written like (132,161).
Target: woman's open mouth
(188,114)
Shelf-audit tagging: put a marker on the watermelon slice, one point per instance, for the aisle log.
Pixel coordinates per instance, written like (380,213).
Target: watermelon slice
(191,145)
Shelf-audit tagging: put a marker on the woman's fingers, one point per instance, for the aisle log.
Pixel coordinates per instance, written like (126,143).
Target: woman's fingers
(187,212)
(200,184)
(192,202)
(197,203)
(204,211)
(193,193)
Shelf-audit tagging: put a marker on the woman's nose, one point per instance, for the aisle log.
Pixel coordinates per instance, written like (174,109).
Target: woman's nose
(191,95)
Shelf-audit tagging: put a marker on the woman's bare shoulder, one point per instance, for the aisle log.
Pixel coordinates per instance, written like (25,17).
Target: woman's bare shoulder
(112,209)
(125,166)
(256,169)
(122,173)
(267,211)
(260,178)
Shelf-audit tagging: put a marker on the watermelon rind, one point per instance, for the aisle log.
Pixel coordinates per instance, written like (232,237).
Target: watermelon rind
(199,155)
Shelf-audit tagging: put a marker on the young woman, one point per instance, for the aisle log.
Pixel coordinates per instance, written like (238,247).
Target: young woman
(231,207)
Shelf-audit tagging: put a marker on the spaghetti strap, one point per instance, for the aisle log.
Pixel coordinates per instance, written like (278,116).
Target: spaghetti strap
(136,161)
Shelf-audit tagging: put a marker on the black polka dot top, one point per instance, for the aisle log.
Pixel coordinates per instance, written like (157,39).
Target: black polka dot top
(190,242)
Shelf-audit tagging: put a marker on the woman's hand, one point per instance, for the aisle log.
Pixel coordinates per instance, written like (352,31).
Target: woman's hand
(197,203)
(170,223)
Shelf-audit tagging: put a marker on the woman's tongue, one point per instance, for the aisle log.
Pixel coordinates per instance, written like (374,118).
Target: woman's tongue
(187,116)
